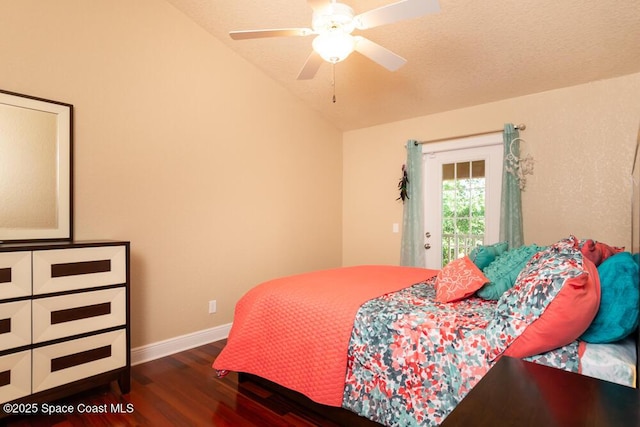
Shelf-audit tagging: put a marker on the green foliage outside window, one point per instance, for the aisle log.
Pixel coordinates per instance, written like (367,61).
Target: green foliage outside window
(463,211)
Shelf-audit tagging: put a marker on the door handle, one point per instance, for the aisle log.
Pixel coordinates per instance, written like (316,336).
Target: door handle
(427,234)
(427,246)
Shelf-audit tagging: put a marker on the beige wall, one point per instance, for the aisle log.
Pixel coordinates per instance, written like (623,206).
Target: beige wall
(218,176)
(582,139)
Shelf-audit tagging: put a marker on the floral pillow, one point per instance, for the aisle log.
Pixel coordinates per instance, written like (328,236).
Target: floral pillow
(554,300)
(458,280)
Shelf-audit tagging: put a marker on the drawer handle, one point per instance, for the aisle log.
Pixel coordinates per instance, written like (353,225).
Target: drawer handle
(5,378)
(5,275)
(76,359)
(79,268)
(5,326)
(77,313)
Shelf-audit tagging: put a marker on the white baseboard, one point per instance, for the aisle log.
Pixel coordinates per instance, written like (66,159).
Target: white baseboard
(168,347)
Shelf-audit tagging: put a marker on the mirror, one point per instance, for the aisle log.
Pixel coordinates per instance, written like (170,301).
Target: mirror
(35,169)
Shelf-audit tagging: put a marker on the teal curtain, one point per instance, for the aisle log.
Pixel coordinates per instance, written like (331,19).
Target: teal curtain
(412,249)
(511,200)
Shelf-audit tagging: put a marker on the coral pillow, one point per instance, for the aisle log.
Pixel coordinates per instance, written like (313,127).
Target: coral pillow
(597,252)
(618,313)
(458,280)
(554,300)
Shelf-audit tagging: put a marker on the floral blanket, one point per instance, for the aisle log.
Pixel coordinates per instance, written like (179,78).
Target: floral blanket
(411,359)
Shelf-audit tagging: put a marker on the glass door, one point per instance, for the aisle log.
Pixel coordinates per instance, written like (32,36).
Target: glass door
(462,201)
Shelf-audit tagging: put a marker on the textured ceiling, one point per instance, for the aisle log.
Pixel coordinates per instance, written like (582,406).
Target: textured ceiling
(471,52)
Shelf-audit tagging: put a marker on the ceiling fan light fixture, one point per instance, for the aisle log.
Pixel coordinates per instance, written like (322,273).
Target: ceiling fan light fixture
(335,16)
(334,46)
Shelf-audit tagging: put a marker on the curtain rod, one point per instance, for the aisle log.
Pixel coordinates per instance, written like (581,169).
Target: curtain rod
(521,126)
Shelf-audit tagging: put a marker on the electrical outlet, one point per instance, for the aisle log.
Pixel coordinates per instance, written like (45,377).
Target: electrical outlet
(212,306)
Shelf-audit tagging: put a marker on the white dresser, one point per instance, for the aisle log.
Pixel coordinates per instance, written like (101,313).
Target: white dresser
(64,319)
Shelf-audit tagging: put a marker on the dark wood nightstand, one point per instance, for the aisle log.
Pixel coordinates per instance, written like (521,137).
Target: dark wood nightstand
(519,393)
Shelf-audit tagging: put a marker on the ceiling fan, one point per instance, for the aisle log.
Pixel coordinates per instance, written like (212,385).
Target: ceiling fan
(333,24)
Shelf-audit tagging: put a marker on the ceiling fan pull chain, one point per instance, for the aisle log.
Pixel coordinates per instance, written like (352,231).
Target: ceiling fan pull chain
(333,83)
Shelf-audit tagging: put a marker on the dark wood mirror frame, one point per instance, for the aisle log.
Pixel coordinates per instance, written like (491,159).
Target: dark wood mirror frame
(36,169)
(635,199)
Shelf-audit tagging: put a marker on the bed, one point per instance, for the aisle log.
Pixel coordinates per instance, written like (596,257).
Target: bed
(402,346)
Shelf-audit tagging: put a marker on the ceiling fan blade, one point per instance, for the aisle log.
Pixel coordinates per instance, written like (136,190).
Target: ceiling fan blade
(310,68)
(379,54)
(395,12)
(281,32)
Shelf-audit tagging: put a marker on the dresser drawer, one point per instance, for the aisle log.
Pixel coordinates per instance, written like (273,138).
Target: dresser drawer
(15,324)
(15,274)
(62,363)
(15,375)
(71,269)
(67,315)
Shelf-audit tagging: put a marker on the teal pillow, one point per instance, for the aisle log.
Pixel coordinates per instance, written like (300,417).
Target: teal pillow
(503,272)
(483,255)
(618,313)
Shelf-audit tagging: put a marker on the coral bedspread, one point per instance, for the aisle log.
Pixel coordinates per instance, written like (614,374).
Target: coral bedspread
(295,330)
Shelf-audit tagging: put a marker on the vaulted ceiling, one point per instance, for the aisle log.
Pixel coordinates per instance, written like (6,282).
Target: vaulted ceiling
(471,52)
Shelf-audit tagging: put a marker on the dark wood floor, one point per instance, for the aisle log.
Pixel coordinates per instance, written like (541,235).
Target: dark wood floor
(181,390)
